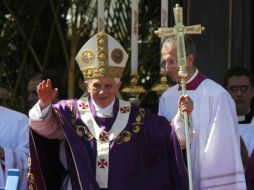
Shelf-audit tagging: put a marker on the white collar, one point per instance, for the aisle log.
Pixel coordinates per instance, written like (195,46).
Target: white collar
(193,76)
(104,112)
(241,118)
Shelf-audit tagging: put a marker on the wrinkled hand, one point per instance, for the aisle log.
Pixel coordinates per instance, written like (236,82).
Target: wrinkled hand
(185,104)
(46,93)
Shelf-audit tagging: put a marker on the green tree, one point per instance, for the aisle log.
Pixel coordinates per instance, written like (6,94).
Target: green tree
(39,35)
(46,34)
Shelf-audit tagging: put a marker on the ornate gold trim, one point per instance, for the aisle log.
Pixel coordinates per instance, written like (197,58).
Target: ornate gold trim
(87,57)
(126,135)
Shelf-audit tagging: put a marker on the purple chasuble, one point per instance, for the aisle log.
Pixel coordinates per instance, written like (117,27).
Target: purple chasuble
(44,156)
(249,173)
(145,156)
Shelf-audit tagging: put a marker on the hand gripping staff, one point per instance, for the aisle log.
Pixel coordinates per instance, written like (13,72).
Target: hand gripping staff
(179,30)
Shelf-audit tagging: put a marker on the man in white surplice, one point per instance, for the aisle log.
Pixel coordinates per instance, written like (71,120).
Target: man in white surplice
(239,83)
(215,152)
(14,144)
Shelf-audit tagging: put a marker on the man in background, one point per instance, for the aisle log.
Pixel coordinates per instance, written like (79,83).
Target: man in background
(239,83)
(14,145)
(39,77)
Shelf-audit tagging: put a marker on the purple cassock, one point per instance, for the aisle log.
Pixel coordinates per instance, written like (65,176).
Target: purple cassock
(249,173)
(145,156)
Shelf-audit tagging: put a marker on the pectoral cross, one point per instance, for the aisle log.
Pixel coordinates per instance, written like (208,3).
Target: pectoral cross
(179,30)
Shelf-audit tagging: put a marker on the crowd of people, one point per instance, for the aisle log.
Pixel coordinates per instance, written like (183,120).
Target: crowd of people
(99,141)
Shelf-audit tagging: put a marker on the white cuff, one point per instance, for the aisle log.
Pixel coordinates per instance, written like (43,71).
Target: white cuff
(178,123)
(36,113)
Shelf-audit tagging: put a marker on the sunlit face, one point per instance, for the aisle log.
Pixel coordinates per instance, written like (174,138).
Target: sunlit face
(242,92)
(169,60)
(103,90)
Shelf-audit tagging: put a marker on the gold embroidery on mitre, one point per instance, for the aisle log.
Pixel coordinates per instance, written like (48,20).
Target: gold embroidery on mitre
(102,52)
(117,55)
(98,59)
(87,57)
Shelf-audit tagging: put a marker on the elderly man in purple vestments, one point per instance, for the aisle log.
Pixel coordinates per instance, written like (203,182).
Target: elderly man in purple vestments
(109,143)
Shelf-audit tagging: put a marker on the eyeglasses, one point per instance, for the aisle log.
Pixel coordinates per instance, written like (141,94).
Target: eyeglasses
(165,63)
(242,88)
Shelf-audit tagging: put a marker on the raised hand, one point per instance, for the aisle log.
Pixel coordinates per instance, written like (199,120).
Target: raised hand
(46,93)
(185,104)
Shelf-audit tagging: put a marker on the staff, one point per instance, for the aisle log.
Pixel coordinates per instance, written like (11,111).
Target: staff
(179,30)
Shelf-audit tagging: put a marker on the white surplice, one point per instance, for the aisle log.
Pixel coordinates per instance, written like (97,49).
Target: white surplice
(215,149)
(15,142)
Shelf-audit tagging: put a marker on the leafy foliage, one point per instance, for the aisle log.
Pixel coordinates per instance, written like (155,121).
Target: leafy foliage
(38,35)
